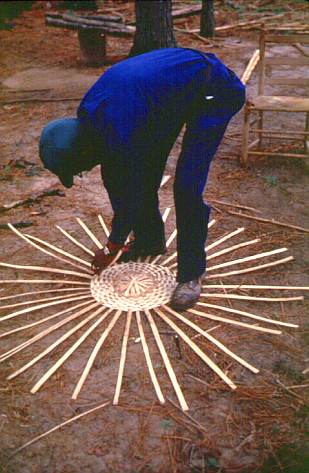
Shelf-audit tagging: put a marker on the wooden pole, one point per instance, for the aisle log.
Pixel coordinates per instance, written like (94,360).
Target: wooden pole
(250,67)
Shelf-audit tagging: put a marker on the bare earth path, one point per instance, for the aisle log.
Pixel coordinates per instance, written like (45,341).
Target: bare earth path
(240,428)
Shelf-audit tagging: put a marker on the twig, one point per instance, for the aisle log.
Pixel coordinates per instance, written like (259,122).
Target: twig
(36,197)
(229,204)
(196,424)
(58,427)
(266,220)
(41,99)
(3,226)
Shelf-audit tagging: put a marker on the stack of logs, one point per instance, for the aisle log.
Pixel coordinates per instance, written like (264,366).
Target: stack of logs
(92,30)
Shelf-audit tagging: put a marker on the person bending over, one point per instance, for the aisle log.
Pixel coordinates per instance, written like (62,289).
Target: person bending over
(128,122)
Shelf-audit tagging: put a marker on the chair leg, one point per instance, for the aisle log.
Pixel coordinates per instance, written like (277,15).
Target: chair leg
(260,126)
(306,140)
(245,138)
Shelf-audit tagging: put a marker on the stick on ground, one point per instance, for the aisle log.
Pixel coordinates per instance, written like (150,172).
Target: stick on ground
(73,419)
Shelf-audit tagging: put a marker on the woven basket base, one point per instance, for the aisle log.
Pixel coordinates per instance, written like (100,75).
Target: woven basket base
(133,286)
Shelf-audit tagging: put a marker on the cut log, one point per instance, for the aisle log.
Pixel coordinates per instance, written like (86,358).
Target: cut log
(107,28)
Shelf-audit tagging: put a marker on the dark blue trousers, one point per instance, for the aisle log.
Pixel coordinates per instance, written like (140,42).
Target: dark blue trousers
(205,128)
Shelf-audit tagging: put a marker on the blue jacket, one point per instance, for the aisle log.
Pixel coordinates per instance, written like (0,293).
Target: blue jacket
(138,103)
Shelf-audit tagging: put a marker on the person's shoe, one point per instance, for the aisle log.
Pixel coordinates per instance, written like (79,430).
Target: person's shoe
(186,295)
(136,251)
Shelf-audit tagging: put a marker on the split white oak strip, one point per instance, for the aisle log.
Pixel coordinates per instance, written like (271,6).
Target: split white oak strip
(41,321)
(152,373)
(32,293)
(251,298)
(218,242)
(45,299)
(169,241)
(211,339)
(247,258)
(233,248)
(250,270)
(46,269)
(165,179)
(106,231)
(196,349)
(94,352)
(89,233)
(38,247)
(56,343)
(164,218)
(43,281)
(69,352)
(246,314)
(45,332)
(167,362)
(224,238)
(234,322)
(59,250)
(43,306)
(173,256)
(76,242)
(255,286)
(122,358)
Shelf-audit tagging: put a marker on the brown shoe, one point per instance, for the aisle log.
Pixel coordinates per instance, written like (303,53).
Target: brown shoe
(186,295)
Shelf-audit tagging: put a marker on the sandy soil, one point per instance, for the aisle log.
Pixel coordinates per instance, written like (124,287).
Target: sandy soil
(242,427)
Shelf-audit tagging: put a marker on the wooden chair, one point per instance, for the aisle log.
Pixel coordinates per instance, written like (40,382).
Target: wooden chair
(281,103)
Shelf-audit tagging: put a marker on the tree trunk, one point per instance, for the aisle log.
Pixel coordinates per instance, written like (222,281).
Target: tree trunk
(207,27)
(154,26)
(92,47)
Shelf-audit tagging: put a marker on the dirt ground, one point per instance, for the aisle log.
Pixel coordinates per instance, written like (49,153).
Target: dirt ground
(262,422)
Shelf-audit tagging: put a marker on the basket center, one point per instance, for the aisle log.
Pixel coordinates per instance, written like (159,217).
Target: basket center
(133,286)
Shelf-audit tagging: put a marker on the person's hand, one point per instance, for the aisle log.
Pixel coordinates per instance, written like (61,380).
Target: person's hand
(105,256)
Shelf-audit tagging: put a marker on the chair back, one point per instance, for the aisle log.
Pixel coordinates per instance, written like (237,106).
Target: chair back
(271,67)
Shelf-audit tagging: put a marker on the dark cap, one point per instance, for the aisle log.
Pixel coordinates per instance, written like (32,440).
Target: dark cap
(59,145)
